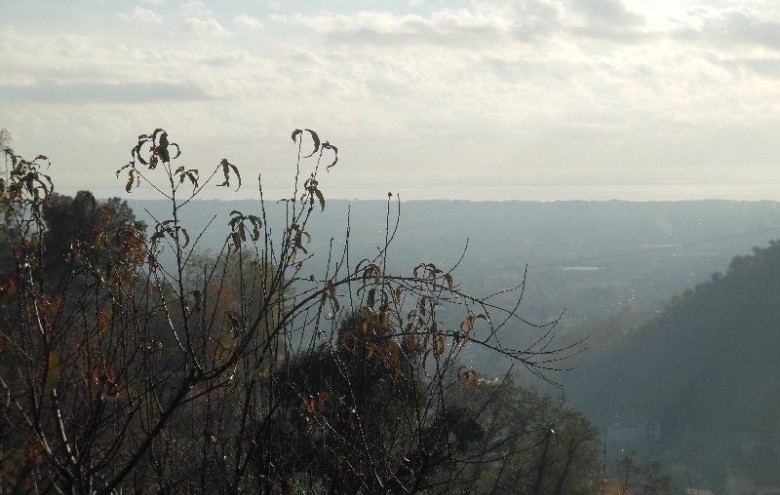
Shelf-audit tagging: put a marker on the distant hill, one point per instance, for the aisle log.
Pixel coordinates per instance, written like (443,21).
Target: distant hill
(707,368)
(594,259)
(589,257)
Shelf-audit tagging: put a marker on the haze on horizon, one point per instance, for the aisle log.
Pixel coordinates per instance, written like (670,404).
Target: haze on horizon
(482,99)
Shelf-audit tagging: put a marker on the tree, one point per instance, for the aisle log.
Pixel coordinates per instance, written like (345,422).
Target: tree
(94,231)
(146,367)
(654,481)
(353,405)
(531,443)
(5,140)
(627,467)
(642,479)
(359,404)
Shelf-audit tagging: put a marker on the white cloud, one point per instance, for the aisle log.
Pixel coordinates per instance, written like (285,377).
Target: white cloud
(200,19)
(486,22)
(142,15)
(208,27)
(450,27)
(605,12)
(226,58)
(195,8)
(80,92)
(248,22)
(568,88)
(739,25)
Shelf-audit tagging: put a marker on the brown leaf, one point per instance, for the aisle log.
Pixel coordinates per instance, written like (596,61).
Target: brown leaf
(34,451)
(10,286)
(395,357)
(469,378)
(321,398)
(331,288)
(53,373)
(104,320)
(440,346)
(468,323)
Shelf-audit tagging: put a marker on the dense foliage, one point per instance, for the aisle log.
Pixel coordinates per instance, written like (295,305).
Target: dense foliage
(132,361)
(703,368)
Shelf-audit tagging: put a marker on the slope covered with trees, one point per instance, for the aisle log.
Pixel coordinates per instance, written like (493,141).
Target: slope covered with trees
(706,368)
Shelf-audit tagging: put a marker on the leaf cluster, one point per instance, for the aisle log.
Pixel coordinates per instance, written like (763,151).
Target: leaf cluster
(146,365)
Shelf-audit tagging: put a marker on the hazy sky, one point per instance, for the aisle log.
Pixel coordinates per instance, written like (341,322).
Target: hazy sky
(527,99)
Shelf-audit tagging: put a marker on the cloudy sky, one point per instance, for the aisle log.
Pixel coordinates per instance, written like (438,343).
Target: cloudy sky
(469,99)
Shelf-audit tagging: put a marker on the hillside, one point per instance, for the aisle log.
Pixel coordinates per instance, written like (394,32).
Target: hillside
(706,368)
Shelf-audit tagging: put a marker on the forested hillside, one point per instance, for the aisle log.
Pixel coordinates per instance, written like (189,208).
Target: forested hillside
(706,368)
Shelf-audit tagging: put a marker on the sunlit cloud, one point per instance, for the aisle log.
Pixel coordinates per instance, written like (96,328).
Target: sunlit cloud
(142,15)
(209,27)
(194,8)
(248,22)
(83,92)
(593,91)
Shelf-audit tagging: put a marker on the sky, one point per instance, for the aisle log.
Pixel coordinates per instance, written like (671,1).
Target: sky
(475,100)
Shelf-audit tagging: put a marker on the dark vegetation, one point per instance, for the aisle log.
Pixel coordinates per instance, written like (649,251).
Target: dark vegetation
(134,361)
(705,368)
(276,349)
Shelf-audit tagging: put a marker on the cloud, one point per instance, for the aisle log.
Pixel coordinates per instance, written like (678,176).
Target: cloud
(535,19)
(248,22)
(226,58)
(199,19)
(194,8)
(605,13)
(740,26)
(549,83)
(765,66)
(208,27)
(768,67)
(484,23)
(102,92)
(142,15)
(729,27)
(606,20)
(449,27)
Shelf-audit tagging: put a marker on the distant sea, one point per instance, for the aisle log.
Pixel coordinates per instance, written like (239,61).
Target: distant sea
(562,192)
(498,192)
